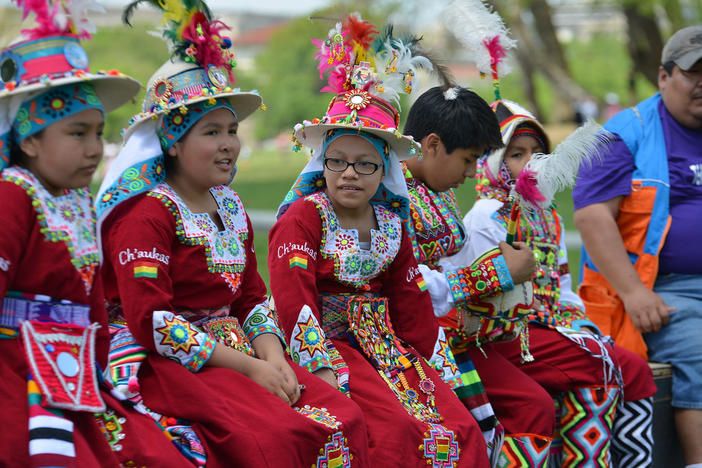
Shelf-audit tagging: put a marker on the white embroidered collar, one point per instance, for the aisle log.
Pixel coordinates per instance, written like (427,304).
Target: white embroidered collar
(68,218)
(354,265)
(226,248)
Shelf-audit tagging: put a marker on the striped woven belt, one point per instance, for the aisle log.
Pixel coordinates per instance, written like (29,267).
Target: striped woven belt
(18,307)
(335,312)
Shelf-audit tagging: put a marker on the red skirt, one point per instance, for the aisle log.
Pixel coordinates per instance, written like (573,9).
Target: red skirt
(136,438)
(397,438)
(242,424)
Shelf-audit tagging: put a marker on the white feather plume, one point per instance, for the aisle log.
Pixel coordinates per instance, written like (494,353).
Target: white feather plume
(76,12)
(558,170)
(473,23)
(390,83)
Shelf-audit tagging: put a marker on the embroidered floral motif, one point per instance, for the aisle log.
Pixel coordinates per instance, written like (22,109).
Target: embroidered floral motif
(310,338)
(440,448)
(68,218)
(224,250)
(353,265)
(307,343)
(136,179)
(319,415)
(443,359)
(178,334)
(177,339)
(335,453)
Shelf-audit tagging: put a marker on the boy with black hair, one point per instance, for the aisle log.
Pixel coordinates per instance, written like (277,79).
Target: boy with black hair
(456,127)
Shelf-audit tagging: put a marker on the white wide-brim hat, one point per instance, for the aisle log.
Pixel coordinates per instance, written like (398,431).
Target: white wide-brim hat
(177,83)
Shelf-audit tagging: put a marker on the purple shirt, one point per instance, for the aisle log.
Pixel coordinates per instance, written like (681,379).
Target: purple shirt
(611,177)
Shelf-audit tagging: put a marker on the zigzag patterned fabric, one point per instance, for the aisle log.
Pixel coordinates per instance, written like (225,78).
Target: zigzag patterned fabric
(632,441)
(556,451)
(524,450)
(586,426)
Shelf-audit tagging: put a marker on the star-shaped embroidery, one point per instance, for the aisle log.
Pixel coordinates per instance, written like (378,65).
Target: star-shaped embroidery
(178,334)
(445,353)
(310,337)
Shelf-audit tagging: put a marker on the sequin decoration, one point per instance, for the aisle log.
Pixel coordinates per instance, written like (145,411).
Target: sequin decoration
(440,448)
(111,427)
(335,453)
(319,415)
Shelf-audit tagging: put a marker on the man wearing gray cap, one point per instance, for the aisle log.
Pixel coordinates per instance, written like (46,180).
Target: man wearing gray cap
(638,212)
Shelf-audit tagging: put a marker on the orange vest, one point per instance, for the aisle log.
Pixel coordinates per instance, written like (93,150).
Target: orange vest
(643,222)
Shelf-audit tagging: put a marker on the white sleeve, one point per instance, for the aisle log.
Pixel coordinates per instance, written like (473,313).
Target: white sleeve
(439,290)
(567,293)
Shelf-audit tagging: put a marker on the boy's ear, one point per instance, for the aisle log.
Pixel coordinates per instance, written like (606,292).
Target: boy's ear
(430,145)
(172,151)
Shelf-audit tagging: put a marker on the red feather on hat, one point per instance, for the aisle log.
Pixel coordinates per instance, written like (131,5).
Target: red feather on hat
(360,31)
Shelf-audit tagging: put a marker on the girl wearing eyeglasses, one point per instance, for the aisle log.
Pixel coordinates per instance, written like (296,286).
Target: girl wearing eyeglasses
(348,291)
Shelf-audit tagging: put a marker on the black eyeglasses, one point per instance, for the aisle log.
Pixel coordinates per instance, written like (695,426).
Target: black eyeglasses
(361,167)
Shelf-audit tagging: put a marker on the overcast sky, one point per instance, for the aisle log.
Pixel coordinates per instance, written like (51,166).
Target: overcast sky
(291,7)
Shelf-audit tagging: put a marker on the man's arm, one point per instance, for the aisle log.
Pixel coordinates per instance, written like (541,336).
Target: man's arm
(598,229)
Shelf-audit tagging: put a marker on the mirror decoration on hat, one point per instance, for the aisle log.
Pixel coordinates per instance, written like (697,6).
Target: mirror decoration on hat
(194,38)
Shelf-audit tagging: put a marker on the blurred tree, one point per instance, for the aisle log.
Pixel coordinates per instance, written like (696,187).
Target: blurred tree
(134,52)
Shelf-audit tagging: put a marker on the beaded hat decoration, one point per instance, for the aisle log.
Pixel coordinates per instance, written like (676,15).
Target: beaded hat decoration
(367,71)
(201,67)
(47,64)
(197,79)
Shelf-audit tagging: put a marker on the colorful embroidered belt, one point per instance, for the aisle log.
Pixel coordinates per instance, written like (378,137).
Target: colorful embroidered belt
(215,322)
(18,307)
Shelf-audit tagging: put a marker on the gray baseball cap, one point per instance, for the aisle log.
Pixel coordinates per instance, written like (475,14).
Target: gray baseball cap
(684,47)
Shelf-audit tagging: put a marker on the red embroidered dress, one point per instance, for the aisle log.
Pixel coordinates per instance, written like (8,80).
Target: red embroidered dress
(181,282)
(49,256)
(365,315)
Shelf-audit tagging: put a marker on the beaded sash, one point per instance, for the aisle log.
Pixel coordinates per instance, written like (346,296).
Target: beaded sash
(364,320)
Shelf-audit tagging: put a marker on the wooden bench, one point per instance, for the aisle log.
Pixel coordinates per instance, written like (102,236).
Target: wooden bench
(666,447)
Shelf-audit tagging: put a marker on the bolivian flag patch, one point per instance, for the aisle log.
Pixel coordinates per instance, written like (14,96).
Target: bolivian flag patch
(145,270)
(298,260)
(420,282)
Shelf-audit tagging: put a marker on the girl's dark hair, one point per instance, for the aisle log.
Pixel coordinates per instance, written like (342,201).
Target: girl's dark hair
(464,122)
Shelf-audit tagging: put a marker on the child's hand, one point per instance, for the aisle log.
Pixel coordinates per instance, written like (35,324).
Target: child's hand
(292,389)
(328,376)
(520,261)
(266,375)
